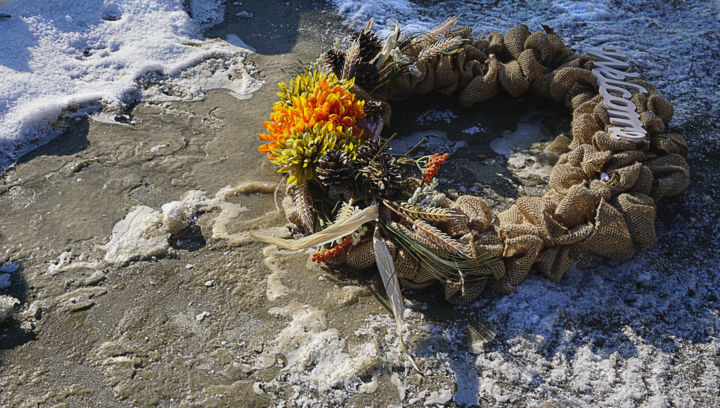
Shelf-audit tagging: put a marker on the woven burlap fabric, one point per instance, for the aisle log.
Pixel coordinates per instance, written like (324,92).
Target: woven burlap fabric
(554,262)
(671,175)
(361,256)
(602,193)
(638,211)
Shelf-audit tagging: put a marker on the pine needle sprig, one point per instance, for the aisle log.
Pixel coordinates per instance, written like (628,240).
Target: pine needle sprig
(439,47)
(443,265)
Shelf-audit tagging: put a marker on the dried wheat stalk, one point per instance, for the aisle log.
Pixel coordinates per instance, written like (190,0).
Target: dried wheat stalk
(446,44)
(428,213)
(346,211)
(442,28)
(351,57)
(304,207)
(439,239)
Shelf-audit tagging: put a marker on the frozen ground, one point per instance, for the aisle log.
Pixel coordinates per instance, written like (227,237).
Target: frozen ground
(64,59)
(644,332)
(211,318)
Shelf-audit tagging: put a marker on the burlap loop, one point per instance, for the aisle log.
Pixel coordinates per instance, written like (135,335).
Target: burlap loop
(671,176)
(410,273)
(603,190)
(361,256)
(610,237)
(577,207)
(515,38)
(554,262)
(670,143)
(660,107)
(482,87)
(459,293)
(478,213)
(603,141)
(520,253)
(638,210)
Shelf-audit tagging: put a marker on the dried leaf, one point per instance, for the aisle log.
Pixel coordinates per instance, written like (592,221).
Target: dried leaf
(387,47)
(325,236)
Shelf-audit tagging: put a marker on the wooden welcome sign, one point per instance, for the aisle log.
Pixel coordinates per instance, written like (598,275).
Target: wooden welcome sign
(610,73)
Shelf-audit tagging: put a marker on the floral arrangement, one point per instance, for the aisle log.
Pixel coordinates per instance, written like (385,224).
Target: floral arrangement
(362,204)
(342,174)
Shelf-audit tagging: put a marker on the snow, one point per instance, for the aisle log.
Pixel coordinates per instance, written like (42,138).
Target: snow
(638,333)
(7,305)
(64,59)
(672,44)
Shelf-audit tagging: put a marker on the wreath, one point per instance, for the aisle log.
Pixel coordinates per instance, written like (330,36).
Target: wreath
(363,204)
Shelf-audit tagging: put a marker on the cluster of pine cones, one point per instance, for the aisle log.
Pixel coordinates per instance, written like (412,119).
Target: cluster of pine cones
(361,66)
(373,168)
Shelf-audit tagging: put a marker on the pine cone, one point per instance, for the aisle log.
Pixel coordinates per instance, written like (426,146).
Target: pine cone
(366,75)
(335,59)
(368,150)
(370,45)
(372,108)
(384,177)
(336,171)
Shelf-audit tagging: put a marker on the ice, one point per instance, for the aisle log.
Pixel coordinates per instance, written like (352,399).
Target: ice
(64,59)
(639,333)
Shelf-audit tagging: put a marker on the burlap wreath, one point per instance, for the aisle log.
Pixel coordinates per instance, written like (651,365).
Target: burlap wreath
(582,212)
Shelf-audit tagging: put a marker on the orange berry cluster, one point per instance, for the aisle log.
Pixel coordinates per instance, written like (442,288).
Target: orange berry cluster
(329,253)
(433,166)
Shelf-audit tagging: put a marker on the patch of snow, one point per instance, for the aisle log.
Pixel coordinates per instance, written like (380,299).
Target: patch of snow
(7,305)
(316,356)
(473,130)
(64,59)
(137,236)
(435,115)
(435,141)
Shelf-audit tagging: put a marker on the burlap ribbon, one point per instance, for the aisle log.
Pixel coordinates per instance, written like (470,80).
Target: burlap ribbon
(582,212)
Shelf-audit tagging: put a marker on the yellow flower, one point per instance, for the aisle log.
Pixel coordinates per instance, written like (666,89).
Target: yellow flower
(316,112)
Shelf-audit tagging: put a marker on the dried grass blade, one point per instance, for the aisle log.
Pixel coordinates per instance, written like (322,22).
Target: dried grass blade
(387,47)
(330,234)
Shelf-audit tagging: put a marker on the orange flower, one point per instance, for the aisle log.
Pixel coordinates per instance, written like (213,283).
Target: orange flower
(328,102)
